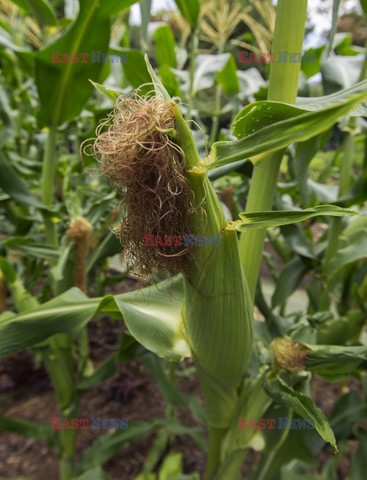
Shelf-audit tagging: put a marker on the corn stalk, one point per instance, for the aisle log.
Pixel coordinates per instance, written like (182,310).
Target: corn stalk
(283,85)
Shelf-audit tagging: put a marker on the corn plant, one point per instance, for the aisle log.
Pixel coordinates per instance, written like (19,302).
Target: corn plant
(217,309)
(203,306)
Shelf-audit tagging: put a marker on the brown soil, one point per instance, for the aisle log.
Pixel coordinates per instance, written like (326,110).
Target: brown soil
(131,393)
(26,393)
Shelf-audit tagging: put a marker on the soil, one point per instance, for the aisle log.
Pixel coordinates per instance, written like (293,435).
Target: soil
(26,393)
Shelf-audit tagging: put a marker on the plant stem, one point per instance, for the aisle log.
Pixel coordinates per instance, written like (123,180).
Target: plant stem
(231,470)
(48,183)
(60,364)
(68,439)
(171,409)
(283,85)
(260,198)
(216,436)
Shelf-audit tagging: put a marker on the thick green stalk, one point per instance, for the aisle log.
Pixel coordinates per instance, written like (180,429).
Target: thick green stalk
(58,361)
(283,85)
(231,470)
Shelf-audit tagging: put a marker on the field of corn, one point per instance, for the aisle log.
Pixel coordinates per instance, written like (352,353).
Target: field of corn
(183,240)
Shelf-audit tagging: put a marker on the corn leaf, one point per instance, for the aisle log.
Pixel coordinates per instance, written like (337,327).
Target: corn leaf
(227,78)
(277,218)
(268,126)
(302,405)
(112,95)
(165,46)
(26,428)
(114,6)
(190,10)
(106,446)
(318,103)
(329,356)
(63,87)
(349,254)
(153,316)
(136,71)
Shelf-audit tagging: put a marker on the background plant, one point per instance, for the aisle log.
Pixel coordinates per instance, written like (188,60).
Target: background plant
(47,110)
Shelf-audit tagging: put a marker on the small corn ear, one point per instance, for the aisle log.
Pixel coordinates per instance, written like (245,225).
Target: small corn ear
(218,309)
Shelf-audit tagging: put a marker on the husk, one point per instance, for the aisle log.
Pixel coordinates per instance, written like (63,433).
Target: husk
(218,308)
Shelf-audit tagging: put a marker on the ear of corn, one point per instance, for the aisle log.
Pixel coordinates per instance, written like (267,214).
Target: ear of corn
(218,309)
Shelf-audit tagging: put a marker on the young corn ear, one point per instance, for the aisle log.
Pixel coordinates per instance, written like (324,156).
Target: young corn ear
(218,308)
(149,155)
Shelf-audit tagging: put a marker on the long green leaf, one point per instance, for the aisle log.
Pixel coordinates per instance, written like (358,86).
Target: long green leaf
(64,87)
(276,218)
(318,103)
(26,428)
(329,356)
(264,127)
(302,405)
(27,246)
(153,316)
(106,446)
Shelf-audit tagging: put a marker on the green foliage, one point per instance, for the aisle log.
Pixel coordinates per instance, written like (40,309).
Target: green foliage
(234,139)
